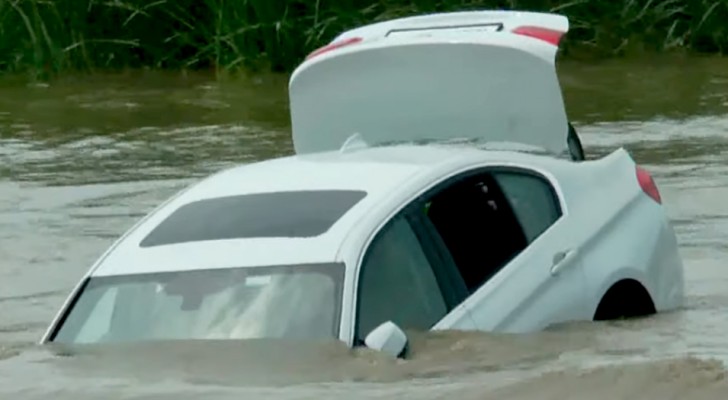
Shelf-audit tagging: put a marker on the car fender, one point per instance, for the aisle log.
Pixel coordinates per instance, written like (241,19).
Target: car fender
(620,274)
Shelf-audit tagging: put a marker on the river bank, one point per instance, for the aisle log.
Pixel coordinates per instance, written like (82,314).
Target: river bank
(42,38)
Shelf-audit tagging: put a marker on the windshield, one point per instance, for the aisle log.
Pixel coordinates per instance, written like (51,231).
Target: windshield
(291,302)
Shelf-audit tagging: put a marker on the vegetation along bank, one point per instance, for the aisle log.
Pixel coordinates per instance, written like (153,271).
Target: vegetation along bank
(49,36)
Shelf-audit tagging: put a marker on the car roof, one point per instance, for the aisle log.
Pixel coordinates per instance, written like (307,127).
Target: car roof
(377,171)
(381,172)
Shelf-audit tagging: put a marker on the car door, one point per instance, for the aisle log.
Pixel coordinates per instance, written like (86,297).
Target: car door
(404,280)
(523,270)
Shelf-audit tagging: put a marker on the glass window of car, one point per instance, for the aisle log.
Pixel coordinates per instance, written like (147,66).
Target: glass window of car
(397,283)
(532,199)
(287,302)
(306,213)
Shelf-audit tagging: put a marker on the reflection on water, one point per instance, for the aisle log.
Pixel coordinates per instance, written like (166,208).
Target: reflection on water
(82,160)
(153,126)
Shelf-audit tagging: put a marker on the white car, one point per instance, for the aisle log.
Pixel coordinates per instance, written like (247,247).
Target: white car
(436,185)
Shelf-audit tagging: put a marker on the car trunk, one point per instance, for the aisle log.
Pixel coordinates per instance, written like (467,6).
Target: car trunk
(434,80)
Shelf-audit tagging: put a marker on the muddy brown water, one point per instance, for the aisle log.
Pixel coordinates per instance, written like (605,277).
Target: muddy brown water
(83,158)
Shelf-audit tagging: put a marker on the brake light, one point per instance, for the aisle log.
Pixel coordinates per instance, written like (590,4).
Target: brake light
(648,184)
(547,35)
(334,46)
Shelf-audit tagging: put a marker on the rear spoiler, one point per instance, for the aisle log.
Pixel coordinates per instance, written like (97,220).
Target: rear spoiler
(544,26)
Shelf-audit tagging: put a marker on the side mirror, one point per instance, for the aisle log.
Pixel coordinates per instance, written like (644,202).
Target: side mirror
(389,338)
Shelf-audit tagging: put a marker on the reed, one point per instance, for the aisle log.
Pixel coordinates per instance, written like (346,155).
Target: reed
(50,36)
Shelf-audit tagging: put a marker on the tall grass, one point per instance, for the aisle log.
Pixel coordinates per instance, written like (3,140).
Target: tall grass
(47,36)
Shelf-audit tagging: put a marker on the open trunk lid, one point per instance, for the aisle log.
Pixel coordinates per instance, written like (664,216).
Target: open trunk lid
(487,76)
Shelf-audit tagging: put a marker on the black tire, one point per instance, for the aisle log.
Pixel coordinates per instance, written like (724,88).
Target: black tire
(575,149)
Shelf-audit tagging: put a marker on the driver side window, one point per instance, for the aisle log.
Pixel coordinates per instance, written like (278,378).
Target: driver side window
(397,283)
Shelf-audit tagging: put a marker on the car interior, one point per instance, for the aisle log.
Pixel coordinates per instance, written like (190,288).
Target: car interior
(478,226)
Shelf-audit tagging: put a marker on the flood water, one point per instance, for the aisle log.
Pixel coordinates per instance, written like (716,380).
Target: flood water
(82,159)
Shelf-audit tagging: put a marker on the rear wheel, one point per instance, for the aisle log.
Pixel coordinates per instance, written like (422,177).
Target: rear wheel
(625,299)
(575,149)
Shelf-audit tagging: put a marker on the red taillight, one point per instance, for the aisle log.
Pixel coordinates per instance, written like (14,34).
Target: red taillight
(334,46)
(547,35)
(648,184)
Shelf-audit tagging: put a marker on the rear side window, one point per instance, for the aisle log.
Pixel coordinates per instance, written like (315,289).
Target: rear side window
(533,201)
(292,214)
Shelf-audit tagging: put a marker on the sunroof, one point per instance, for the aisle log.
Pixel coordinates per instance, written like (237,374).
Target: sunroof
(294,214)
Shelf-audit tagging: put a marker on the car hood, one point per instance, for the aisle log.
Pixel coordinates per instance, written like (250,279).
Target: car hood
(487,75)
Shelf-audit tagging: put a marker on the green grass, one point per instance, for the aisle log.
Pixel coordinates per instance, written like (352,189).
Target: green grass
(44,37)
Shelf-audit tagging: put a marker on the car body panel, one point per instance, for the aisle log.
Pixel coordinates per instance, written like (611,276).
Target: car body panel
(498,302)
(528,294)
(524,296)
(349,103)
(537,287)
(638,244)
(490,86)
(629,238)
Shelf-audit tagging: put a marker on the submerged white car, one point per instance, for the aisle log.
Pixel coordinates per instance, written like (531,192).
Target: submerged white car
(437,184)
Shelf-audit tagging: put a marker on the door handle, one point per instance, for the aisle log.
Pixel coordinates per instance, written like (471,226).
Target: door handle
(561,259)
